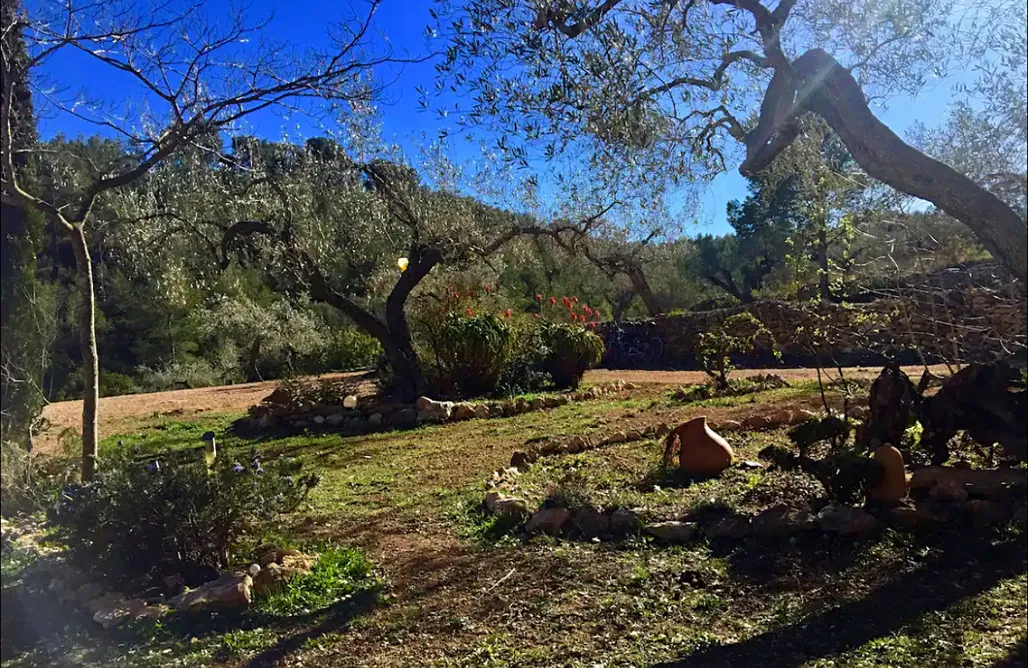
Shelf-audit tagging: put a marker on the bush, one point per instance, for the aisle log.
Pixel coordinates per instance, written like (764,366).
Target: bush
(113,384)
(473,351)
(714,349)
(569,351)
(179,375)
(144,519)
(28,482)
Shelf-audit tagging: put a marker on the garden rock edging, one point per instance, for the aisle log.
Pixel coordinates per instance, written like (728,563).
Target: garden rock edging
(357,417)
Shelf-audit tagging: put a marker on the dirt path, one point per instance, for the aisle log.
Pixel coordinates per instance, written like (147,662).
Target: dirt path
(116,412)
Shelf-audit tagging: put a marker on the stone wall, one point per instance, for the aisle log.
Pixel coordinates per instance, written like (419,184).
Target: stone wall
(957,325)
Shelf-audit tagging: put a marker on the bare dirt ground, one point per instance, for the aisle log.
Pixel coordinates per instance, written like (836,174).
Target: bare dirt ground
(116,413)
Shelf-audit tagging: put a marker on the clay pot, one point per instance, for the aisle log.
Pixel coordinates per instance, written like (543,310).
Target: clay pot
(703,451)
(893,486)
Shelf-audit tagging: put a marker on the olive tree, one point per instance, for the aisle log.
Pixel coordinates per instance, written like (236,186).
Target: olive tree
(182,73)
(345,223)
(675,91)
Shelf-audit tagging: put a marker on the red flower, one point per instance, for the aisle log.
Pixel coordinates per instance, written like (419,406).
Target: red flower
(537,316)
(468,311)
(488,289)
(538,297)
(506,314)
(591,325)
(553,301)
(596,312)
(574,299)
(471,292)
(587,310)
(442,309)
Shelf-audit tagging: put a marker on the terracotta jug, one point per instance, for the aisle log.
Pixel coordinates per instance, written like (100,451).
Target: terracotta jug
(702,450)
(893,485)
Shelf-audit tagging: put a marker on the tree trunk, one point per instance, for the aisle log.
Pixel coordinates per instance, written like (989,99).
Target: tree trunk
(90,358)
(830,91)
(254,372)
(642,288)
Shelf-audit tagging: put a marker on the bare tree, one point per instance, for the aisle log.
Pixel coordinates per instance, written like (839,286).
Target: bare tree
(186,75)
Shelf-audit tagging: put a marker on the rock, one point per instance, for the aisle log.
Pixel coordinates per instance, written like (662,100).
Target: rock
(576,444)
(522,460)
(508,408)
(624,522)
(616,437)
(590,522)
(302,424)
(267,421)
(750,464)
(253,570)
(701,450)
(562,400)
(731,425)
(481,411)
(672,532)
(893,485)
(803,415)
(537,404)
(87,592)
(634,435)
(733,527)
(780,418)
(403,418)
(434,411)
(463,411)
(421,403)
(275,574)
(995,484)
(227,592)
(491,498)
(856,412)
(511,507)
(663,430)
(521,405)
(551,402)
(948,490)
(350,401)
(912,516)
(113,615)
(756,422)
(111,599)
(375,420)
(781,520)
(985,513)
(846,520)
(548,521)
(318,420)
(336,419)
(173,581)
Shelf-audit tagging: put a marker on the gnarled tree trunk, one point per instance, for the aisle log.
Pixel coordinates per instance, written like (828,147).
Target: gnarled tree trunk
(830,91)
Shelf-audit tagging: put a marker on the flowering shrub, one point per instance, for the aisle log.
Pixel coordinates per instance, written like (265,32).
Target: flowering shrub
(473,350)
(145,519)
(482,341)
(568,352)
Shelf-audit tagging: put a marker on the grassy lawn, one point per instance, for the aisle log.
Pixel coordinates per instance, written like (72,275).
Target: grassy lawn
(450,592)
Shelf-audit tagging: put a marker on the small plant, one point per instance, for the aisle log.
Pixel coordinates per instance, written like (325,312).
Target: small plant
(714,349)
(338,574)
(570,350)
(143,519)
(27,481)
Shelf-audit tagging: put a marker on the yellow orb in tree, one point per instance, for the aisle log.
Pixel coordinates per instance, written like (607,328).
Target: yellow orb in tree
(402,264)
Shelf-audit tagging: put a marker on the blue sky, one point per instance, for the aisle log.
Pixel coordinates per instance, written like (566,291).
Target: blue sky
(401,24)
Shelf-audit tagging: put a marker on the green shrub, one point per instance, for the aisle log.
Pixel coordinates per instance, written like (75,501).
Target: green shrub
(473,351)
(714,349)
(569,351)
(183,374)
(143,519)
(525,372)
(113,384)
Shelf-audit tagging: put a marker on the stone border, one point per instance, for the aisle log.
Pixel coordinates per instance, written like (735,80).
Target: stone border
(352,418)
(942,496)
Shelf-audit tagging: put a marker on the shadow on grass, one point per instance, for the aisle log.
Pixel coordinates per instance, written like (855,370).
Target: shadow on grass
(963,569)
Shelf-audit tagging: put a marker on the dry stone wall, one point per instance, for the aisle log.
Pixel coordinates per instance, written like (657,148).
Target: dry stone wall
(956,325)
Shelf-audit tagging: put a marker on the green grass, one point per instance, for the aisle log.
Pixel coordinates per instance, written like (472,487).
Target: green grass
(338,574)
